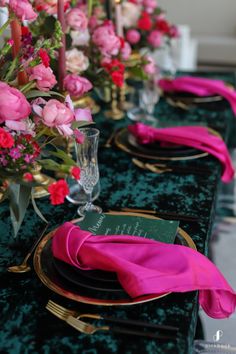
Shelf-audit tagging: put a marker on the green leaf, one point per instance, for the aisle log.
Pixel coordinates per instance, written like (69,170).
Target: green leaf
(80,124)
(50,164)
(36,93)
(19,196)
(64,156)
(36,209)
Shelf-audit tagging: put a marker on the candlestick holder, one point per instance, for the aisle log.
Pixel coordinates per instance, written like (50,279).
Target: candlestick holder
(115,113)
(43,180)
(124,105)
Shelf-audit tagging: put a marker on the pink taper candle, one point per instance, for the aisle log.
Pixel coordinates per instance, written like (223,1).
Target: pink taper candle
(16,36)
(118,15)
(62,50)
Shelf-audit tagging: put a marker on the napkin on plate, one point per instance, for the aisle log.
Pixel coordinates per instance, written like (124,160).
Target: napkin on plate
(145,266)
(200,87)
(194,136)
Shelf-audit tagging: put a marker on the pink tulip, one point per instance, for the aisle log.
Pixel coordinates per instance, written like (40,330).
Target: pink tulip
(45,79)
(77,85)
(23,9)
(77,19)
(13,107)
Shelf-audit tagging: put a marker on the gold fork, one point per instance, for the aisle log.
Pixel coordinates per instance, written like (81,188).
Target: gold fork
(69,317)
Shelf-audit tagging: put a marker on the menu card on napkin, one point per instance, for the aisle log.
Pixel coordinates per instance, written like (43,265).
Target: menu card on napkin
(107,224)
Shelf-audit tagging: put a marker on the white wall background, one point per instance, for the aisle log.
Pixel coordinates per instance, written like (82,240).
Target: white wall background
(212,22)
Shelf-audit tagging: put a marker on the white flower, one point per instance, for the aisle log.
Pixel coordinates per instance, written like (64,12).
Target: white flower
(76,61)
(130,14)
(80,38)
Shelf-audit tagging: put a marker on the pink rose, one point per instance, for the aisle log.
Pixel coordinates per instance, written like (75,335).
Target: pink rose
(77,20)
(155,38)
(77,85)
(13,107)
(55,114)
(106,40)
(126,51)
(23,9)
(76,61)
(150,68)
(50,6)
(45,79)
(133,36)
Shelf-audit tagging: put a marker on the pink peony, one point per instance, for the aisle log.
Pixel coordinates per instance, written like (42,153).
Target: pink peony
(126,51)
(4,3)
(83,114)
(13,107)
(45,79)
(55,114)
(150,5)
(77,85)
(107,41)
(133,36)
(23,9)
(50,6)
(155,39)
(77,19)
(150,68)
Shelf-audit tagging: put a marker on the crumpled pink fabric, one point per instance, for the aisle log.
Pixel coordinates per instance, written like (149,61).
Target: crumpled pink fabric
(146,266)
(194,136)
(200,87)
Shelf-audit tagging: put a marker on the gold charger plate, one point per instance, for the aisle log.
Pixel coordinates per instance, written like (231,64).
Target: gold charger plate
(54,283)
(122,142)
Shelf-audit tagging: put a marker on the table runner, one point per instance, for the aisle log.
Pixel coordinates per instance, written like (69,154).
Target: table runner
(25,324)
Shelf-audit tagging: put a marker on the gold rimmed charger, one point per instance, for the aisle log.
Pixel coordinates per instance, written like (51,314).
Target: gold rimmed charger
(123,142)
(48,278)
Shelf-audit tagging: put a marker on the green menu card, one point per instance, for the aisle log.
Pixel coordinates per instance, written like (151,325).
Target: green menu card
(107,224)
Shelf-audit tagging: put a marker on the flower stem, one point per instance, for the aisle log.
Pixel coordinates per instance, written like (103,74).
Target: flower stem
(5,25)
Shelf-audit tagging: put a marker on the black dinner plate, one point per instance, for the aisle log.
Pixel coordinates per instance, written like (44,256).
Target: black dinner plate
(84,279)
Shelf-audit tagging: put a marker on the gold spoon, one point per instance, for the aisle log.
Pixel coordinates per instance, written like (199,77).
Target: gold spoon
(24,267)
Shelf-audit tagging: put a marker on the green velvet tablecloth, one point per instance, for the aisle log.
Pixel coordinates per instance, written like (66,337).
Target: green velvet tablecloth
(27,327)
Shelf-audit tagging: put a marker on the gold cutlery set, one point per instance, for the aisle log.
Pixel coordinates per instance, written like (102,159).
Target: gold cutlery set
(128,327)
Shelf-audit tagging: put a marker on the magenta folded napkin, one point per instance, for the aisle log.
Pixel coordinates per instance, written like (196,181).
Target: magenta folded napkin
(144,266)
(194,136)
(200,87)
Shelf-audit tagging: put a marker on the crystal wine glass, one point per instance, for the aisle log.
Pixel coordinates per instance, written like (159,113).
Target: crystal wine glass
(148,97)
(88,163)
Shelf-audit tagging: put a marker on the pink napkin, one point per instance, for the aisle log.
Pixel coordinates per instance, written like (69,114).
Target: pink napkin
(194,136)
(200,87)
(146,266)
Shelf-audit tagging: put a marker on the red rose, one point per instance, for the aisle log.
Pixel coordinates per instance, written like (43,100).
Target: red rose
(75,172)
(145,23)
(6,140)
(58,191)
(117,78)
(163,26)
(28,177)
(44,57)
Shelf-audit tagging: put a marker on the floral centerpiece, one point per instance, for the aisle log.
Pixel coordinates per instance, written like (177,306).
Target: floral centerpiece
(33,113)
(146,25)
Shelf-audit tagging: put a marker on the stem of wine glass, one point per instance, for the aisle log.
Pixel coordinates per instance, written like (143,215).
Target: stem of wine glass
(89,201)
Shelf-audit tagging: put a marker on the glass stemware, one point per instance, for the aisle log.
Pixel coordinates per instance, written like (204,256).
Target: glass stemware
(148,97)
(88,163)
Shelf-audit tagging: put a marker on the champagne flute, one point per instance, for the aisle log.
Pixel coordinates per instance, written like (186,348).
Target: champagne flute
(148,97)
(88,163)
